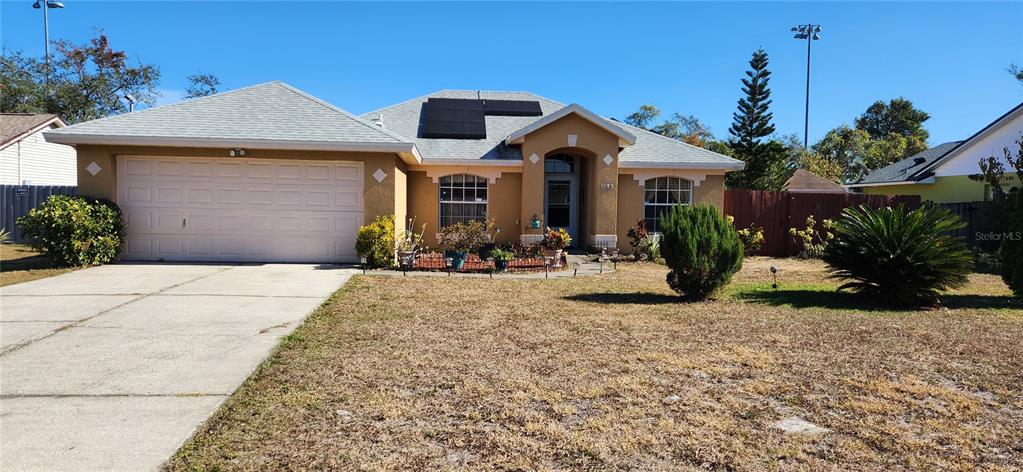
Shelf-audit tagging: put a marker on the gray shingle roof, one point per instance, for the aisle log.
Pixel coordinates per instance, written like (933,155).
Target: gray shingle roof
(272,111)
(650,148)
(908,168)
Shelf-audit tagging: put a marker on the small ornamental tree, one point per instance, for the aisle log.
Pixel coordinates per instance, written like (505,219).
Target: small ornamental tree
(898,256)
(75,231)
(701,248)
(1011,251)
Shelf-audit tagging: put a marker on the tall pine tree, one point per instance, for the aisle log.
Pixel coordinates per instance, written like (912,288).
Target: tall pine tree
(750,124)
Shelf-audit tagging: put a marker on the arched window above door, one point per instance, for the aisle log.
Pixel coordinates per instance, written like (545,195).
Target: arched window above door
(559,164)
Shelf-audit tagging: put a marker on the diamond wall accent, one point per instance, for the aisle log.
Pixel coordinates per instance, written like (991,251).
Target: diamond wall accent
(572,139)
(534,158)
(380,175)
(93,168)
(608,159)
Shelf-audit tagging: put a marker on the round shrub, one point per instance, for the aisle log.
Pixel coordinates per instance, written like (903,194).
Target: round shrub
(701,248)
(1011,251)
(74,230)
(898,256)
(375,242)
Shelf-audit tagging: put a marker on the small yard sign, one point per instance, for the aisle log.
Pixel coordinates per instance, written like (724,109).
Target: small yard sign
(21,191)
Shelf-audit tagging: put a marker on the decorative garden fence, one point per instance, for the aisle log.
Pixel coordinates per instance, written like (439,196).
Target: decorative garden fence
(17,200)
(776,212)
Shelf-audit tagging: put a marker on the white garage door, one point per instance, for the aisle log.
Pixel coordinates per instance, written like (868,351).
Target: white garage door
(259,210)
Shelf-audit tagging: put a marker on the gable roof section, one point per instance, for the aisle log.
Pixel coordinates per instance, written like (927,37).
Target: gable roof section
(271,115)
(907,170)
(16,126)
(984,132)
(803,180)
(518,135)
(649,150)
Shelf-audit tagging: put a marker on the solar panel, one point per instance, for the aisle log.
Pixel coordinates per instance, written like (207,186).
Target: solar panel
(513,108)
(454,118)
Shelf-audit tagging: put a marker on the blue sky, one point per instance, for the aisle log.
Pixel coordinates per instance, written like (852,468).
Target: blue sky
(948,58)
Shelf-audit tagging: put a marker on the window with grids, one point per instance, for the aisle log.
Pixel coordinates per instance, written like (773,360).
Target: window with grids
(463,198)
(661,194)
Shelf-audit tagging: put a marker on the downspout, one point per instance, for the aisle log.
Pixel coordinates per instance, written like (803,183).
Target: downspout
(19,163)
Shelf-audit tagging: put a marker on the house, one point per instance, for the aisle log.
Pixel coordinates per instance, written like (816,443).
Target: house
(27,159)
(804,181)
(270,173)
(942,173)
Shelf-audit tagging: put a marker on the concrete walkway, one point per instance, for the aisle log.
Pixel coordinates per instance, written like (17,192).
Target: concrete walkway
(113,367)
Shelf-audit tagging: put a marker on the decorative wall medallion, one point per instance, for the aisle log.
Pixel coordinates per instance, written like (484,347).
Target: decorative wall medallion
(380,175)
(534,158)
(93,168)
(572,139)
(608,159)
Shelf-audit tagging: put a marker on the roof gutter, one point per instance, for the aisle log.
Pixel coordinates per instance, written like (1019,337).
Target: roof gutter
(929,180)
(408,151)
(726,166)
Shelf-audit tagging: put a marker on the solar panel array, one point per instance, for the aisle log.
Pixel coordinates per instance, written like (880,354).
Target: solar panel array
(462,118)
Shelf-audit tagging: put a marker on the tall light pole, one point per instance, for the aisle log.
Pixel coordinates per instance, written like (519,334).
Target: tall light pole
(810,33)
(46,5)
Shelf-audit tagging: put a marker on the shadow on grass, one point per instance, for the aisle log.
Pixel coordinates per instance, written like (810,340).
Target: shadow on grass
(635,298)
(28,263)
(829,298)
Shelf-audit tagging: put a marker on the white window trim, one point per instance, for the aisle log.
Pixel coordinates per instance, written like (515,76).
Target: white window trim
(440,203)
(691,190)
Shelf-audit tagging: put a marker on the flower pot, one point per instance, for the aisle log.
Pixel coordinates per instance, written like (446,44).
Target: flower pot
(554,253)
(458,260)
(501,264)
(406,258)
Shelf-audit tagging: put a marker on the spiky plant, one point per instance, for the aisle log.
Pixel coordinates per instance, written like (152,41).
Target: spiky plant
(701,248)
(898,256)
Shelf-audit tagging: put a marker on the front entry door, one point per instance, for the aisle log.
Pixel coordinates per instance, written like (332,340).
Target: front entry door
(561,204)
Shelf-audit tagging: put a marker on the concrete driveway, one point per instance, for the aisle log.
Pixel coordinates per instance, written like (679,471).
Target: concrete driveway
(113,367)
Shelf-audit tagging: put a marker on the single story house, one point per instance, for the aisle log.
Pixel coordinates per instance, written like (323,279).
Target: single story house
(270,173)
(25,156)
(942,173)
(804,181)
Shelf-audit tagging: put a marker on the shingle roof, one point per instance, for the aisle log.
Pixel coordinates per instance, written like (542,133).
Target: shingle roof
(650,148)
(804,180)
(908,168)
(273,111)
(14,125)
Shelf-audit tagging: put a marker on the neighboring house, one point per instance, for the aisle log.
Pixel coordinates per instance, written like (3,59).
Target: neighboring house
(942,173)
(27,159)
(804,181)
(270,173)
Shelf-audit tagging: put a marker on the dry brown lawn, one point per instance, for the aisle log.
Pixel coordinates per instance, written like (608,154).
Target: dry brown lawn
(578,374)
(20,263)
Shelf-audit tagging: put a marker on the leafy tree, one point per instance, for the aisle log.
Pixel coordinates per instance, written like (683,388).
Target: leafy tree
(898,117)
(1017,72)
(84,81)
(750,125)
(821,166)
(202,85)
(643,117)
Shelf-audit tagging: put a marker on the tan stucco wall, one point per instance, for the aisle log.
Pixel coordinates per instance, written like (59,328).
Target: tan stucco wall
(380,198)
(599,213)
(503,196)
(630,207)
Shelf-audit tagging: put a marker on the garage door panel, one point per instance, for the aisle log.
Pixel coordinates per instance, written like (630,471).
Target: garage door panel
(240,210)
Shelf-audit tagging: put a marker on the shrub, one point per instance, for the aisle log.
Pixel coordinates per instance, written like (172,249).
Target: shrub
(752,238)
(502,255)
(1011,251)
(554,239)
(644,245)
(701,249)
(811,242)
(897,256)
(466,237)
(4,235)
(376,242)
(74,230)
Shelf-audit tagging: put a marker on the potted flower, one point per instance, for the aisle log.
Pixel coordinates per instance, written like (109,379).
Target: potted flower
(501,258)
(460,239)
(554,243)
(410,243)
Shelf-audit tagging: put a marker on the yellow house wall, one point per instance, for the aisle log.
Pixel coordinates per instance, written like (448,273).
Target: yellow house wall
(950,189)
(380,198)
(599,213)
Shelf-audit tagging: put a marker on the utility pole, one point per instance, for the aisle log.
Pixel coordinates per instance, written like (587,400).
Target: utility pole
(810,33)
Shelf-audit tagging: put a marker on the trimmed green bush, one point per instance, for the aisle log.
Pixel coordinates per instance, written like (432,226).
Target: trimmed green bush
(375,242)
(75,231)
(898,256)
(1011,251)
(701,248)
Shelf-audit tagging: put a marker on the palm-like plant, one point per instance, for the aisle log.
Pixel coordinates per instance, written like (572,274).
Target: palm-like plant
(897,256)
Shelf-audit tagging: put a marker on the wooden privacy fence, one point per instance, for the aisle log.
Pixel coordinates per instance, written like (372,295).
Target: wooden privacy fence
(17,200)
(776,212)
(979,218)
